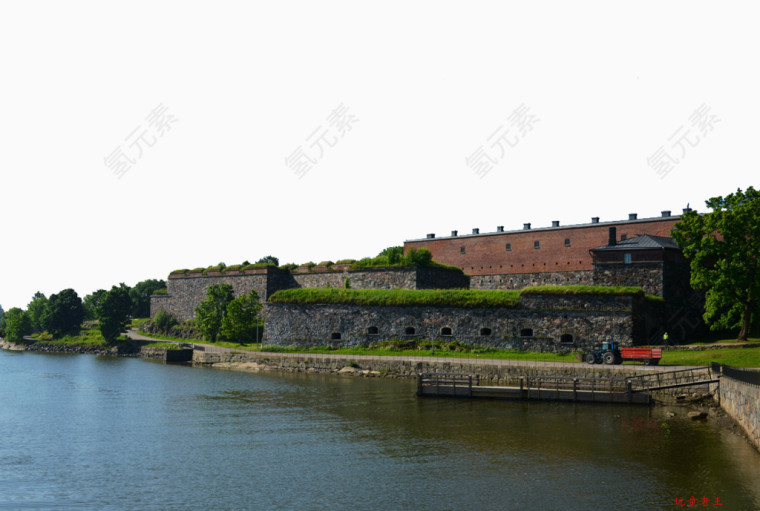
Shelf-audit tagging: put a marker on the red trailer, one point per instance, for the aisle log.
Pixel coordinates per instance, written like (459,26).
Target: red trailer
(650,356)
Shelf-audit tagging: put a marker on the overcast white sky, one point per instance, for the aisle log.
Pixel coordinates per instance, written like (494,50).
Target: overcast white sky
(327,130)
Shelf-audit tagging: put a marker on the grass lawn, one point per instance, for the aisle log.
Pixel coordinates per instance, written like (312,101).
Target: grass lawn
(736,357)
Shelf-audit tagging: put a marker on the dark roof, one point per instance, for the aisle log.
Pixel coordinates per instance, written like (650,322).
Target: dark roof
(642,242)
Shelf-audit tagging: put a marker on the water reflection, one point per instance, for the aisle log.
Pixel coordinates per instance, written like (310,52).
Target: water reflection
(129,434)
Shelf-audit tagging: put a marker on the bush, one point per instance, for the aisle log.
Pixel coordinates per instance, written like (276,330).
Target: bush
(164,321)
(345,261)
(161,291)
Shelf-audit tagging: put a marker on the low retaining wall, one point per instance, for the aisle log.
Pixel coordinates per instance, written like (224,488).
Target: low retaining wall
(742,402)
(496,372)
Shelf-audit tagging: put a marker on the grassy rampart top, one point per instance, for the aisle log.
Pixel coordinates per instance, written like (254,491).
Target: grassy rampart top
(470,298)
(590,290)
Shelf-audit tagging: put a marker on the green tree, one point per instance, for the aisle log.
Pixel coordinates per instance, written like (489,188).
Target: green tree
(64,313)
(394,254)
(90,304)
(2,322)
(723,249)
(36,309)
(269,260)
(211,311)
(113,312)
(241,322)
(140,295)
(17,325)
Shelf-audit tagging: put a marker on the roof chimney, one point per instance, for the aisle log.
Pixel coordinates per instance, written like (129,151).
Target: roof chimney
(454,233)
(475,230)
(499,228)
(594,219)
(613,237)
(431,236)
(632,216)
(666,213)
(526,227)
(555,223)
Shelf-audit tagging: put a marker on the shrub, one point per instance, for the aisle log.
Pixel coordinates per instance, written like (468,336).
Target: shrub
(161,291)
(345,261)
(164,321)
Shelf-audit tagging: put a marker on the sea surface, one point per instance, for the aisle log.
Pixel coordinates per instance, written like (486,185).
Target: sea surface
(100,433)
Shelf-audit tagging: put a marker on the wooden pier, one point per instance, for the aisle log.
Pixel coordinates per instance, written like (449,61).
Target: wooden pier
(634,390)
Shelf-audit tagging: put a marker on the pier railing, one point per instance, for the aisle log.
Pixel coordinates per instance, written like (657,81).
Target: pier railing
(673,379)
(447,384)
(749,376)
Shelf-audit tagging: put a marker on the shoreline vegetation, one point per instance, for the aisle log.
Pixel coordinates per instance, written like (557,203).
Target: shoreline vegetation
(699,353)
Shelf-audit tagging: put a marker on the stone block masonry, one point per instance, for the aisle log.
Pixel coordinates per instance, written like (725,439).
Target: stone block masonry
(547,323)
(185,292)
(742,402)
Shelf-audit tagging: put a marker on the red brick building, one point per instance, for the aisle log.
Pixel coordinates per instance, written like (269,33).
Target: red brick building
(546,255)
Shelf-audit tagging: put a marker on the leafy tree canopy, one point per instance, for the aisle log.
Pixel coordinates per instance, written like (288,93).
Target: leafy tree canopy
(240,324)
(211,311)
(36,309)
(723,249)
(64,313)
(113,312)
(91,302)
(269,260)
(17,325)
(140,296)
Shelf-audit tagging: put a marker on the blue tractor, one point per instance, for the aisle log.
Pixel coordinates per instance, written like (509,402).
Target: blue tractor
(609,353)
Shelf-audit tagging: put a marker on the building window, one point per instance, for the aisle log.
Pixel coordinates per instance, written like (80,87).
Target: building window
(526,332)
(409,330)
(508,246)
(627,258)
(335,336)
(623,237)
(567,242)
(461,250)
(372,330)
(485,331)
(445,331)
(536,244)
(566,338)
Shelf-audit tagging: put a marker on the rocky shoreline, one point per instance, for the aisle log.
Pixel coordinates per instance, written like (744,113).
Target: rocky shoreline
(122,350)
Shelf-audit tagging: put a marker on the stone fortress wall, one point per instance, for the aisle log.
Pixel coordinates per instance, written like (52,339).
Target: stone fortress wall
(556,323)
(186,291)
(501,260)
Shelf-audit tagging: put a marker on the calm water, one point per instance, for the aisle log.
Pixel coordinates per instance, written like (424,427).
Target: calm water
(86,432)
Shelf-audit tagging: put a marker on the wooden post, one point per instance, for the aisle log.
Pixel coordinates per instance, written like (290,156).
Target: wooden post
(521,387)
(630,393)
(575,389)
